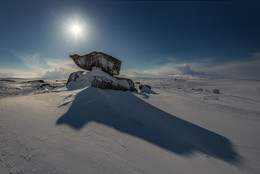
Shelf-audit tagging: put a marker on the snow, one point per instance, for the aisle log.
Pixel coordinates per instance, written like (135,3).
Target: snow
(14,87)
(173,130)
(86,78)
(104,62)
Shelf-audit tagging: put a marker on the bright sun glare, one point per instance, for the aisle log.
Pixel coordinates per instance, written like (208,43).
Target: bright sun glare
(76,29)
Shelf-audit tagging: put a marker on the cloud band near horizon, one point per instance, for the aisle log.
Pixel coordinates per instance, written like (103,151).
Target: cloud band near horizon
(37,67)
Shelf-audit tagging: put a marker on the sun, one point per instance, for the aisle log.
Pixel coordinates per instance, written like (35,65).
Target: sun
(76,29)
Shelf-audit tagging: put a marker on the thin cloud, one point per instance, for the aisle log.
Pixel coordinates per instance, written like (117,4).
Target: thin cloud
(12,73)
(256,55)
(168,70)
(60,68)
(32,62)
(38,66)
(248,69)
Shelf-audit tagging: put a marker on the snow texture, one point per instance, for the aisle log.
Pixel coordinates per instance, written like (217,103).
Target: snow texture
(176,129)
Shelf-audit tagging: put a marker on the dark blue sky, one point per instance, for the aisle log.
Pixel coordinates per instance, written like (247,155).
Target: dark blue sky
(145,35)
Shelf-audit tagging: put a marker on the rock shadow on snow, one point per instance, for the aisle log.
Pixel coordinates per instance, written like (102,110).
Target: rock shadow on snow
(129,114)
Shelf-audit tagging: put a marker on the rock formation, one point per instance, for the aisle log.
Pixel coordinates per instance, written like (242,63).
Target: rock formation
(146,88)
(130,82)
(99,79)
(102,67)
(101,60)
(216,91)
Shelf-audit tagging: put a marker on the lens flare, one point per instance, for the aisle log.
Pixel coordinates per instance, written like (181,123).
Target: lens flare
(76,29)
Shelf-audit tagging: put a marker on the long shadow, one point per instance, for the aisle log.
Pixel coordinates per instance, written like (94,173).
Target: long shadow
(129,114)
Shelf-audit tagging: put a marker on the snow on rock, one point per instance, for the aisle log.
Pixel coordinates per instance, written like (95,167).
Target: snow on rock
(104,61)
(130,82)
(102,67)
(146,88)
(99,79)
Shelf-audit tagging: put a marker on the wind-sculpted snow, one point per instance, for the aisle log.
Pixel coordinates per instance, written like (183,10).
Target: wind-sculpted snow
(181,126)
(129,114)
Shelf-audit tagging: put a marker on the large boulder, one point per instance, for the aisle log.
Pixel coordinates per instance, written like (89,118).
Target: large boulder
(99,79)
(130,82)
(101,60)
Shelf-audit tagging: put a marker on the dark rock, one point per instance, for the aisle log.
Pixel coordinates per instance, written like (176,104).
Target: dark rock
(216,91)
(130,82)
(43,85)
(138,83)
(35,81)
(141,86)
(101,60)
(197,89)
(107,84)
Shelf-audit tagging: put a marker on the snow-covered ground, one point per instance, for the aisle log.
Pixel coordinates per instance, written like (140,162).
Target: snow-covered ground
(180,127)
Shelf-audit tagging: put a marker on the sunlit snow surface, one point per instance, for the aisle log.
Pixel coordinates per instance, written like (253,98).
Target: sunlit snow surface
(14,86)
(180,126)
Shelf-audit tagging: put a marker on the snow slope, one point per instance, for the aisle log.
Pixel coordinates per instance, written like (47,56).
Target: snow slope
(181,127)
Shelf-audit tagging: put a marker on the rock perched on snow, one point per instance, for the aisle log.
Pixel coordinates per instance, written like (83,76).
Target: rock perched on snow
(101,60)
(216,91)
(99,79)
(146,88)
(102,67)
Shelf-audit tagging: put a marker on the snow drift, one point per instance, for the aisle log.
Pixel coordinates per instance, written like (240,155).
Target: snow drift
(129,114)
(180,127)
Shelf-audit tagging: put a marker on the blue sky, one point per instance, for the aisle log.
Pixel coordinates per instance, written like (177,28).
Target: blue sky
(152,38)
